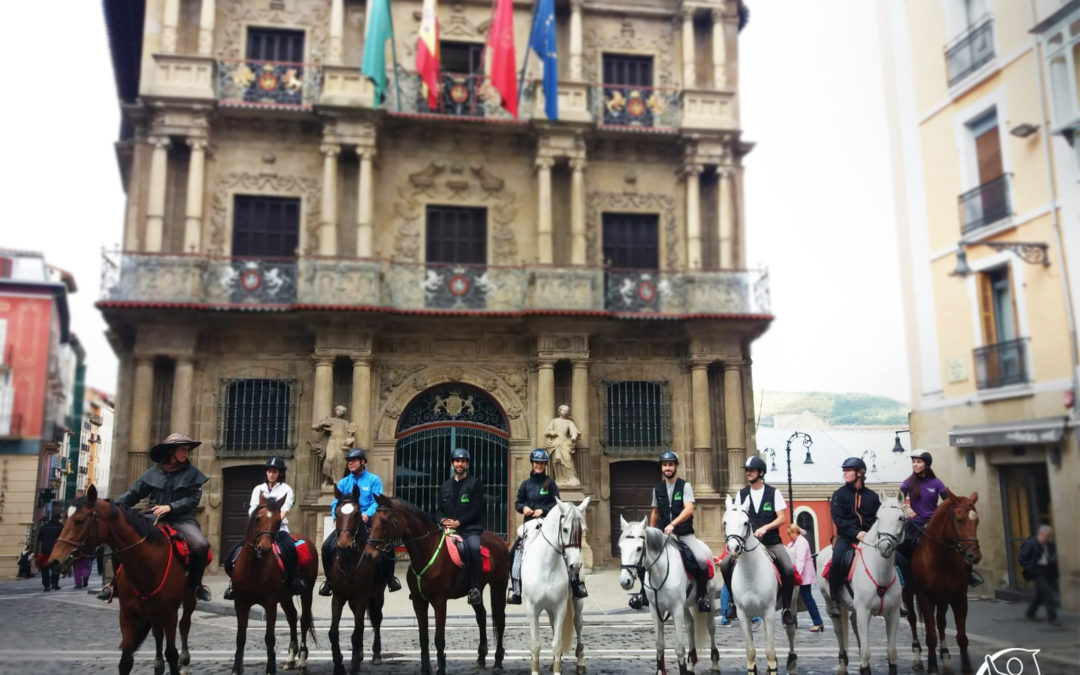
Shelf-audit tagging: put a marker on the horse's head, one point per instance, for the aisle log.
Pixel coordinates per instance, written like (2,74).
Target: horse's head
(86,528)
(348,518)
(264,524)
(632,550)
(737,529)
(572,530)
(383,527)
(965,520)
(890,524)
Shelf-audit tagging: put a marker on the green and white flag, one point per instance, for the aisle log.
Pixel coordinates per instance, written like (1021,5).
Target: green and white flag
(379,29)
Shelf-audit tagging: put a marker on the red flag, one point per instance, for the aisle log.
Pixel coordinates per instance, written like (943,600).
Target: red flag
(503,63)
(427,52)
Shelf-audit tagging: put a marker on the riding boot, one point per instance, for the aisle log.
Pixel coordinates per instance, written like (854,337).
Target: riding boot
(577,586)
(725,571)
(106,592)
(787,588)
(974,578)
(329,550)
(196,567)
(701,580)
(228,594)
(476,579)
(388,562)
(514,598)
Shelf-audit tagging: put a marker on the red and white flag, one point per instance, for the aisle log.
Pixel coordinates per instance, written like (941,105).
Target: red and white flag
(427,52)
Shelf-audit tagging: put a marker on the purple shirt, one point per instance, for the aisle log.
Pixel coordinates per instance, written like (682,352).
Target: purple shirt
(930,491)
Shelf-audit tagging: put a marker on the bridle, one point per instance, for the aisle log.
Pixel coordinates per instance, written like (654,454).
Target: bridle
(640,568)
(741,539)
(958,544)
(82,549)
(894,541)
(387,545)
(270,533)
(574,539)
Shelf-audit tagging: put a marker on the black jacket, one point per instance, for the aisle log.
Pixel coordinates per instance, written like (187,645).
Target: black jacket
(181,490)
(538,491)
(765,515)
(47,536)
(1031,551)
(668,512)
(463,501)
(850,521)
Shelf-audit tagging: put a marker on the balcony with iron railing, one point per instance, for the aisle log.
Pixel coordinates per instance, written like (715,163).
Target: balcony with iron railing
(1002,364)
(618,105)
(312,282)
(985,205)
(971,50)
(247,83)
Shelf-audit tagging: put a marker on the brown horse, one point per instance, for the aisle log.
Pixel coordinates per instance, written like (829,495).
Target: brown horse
(434,579)
(939,571)
(356,582)
(151,584)
(258,580)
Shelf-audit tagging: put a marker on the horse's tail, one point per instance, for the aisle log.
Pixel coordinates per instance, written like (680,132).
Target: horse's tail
(568,626)
(701,629)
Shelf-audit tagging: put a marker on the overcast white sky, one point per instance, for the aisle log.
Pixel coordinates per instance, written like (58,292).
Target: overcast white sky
(818,199)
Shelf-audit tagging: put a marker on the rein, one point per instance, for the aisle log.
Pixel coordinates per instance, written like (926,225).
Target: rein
(269,533)
(641,569)
(419,575)
(955,544)
(160,585)
(741,539)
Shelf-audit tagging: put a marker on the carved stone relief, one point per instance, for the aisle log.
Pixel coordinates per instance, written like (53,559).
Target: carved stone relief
(309,189)
(598,202)
(597,41)
(391,377)
(312,15)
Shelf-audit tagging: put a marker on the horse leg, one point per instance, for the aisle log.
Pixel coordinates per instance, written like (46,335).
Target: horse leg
(498,619)
(440,635)
(375,605)
(271,639)
(959,610)
(335,645)
(926,607)
(714,653)
(943,647)
(185,628)
(289,608)
(862,633)
(481,623)
(533,615)
(770,642)
(892,623)
(306,622)
(747,625)
(132,632)
(840,626)
(908,596)
(678,617)
(558,618)
(792,658)
(159,657)
(691,636)
(172,656)
(578,623)
(661,667)
(359,608)
(242,611)
(420,609)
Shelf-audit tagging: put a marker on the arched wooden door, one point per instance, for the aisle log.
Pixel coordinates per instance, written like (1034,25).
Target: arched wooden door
(443,418)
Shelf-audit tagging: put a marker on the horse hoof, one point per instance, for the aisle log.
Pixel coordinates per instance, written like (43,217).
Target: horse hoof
(945,654)
(339,669)
(376,660)
(581,670)
(864,670)
(892,669)
(918,666)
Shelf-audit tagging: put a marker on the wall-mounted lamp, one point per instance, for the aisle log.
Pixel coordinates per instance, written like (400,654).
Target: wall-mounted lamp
(1033,253)
(969,459)
(1023,130)
(1055,456)
(897,445)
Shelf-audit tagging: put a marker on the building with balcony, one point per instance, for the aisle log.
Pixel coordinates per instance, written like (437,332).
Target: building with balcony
(448,274)
(98,422)
(983,115)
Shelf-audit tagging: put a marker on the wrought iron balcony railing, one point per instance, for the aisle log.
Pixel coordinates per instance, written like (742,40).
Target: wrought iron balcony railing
(145,279)
(1002,364)
(621,105)
(267,84)
(460,95)
(985,205)
(970,51)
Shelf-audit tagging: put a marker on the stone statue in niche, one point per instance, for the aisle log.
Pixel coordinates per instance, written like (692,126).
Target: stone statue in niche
(337,436)
(562,435)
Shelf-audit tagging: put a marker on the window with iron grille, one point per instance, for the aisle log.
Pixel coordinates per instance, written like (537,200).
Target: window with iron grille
(631,240)
(265,227)
(456,235)
(272,44)
(637,417)
(256,417)
(621,69)
(161,402)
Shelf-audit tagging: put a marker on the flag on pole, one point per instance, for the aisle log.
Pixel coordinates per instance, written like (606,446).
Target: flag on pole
(427,52)
(378,31)
(503,60)
(542,41)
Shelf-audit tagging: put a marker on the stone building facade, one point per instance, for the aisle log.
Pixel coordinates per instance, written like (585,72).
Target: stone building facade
(449,276)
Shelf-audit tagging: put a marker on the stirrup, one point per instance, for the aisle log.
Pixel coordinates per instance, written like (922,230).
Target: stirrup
(704,604)
(326,589)
(393,585)
(974,578)
(475,598)
(513,598)
(228,594)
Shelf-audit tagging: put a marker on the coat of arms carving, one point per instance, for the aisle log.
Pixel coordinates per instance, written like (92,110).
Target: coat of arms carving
(453,404)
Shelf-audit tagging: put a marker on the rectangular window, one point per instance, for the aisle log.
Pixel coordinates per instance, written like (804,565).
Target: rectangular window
(637,417)
(256,417)
(161,405)
(631,240)
(621,69)
(462,58)
(456,235)
(265,227)
(988,201)
(275,45)
(1003,358)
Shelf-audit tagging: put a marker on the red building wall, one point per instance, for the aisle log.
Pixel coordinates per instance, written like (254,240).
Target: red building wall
(28,341)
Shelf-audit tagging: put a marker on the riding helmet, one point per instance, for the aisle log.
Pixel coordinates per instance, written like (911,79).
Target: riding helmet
(539,455)
(460,453)
(275,463)
(356,453)
(853,463)
(924,456)
(756,462)
(669,456)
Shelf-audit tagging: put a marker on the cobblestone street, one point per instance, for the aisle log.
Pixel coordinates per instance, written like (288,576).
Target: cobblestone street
(70,631)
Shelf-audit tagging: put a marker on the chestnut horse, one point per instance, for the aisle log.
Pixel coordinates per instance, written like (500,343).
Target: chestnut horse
(258,579)
(356,582)
(434,579)
(151,583)
(939,578)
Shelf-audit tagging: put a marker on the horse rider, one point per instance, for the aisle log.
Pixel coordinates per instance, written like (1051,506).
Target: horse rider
(854,510)
(370,485)
(922,490)
(535,498)
(767,514)
(275,488)
(174,487)
(461,508)
(673,512)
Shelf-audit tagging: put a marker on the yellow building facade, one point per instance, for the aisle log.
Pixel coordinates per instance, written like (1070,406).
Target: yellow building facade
(986,189)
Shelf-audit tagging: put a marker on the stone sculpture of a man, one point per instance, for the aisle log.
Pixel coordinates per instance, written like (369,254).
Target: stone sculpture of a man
(338,437)
(562,435)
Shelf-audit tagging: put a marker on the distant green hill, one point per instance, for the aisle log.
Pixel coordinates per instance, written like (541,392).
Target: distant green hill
(835,409)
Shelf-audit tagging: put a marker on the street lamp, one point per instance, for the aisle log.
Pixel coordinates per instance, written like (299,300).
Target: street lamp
(872,456)
(897,446)
(771,454)
(807,442)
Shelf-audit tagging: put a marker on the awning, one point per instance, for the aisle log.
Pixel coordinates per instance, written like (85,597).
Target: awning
(1020,432)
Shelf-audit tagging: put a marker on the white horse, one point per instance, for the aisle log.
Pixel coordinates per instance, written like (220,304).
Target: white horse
(754,587)
(550,547)
(648,550)
(874,582)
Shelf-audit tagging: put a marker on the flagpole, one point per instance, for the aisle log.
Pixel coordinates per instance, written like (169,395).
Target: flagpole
(528,48)
(393,50)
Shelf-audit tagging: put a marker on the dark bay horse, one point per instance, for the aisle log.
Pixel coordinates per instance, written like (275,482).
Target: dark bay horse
(434,579)
(355,581)
(151,583)
(939,578)
(258,580)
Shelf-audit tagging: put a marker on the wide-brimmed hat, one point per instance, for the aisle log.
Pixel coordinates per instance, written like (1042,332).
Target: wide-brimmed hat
(165,448)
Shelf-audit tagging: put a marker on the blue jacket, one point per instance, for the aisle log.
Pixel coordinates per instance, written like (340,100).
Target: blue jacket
(370,485)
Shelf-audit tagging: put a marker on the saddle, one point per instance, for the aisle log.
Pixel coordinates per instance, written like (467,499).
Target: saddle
(456,548)
(303,553)
(845,564)
(180,544)
(690,562)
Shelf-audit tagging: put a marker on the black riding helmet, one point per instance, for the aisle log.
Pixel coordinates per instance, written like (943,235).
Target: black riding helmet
(539,455)
(460,453)
(853,463)
(279,464)
(756,462)
(356,453)
(669,456)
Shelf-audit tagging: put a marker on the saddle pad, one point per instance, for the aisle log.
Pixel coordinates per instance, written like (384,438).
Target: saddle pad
(712,569)
(828,568)
(303,552)
(458,559)
(179,542)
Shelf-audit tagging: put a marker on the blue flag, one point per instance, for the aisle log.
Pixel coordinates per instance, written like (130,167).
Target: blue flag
(542,41)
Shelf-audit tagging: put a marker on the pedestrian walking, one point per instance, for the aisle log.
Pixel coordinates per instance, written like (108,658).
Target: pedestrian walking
(24,562)
(47,536)
(805,574)
(1038,559)
(80,572)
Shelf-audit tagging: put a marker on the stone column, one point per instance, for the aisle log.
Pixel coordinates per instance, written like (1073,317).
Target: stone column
(577,212)
(365,205)
(575,40)
(579,400)
(734,422)
(182,396)
(545,398)
(361,398)
(543,211)
(142,391)
(155,205)
(329,214)
(699,390)
(692,172)
(170,20)
(719,50)
(324,388)
(206,27)
(337,30)
(193,210)
(727,217)
(689,62)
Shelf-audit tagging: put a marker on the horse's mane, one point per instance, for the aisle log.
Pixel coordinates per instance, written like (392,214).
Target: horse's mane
(655,538)
(272,505)
(415,510)
(142,525)
(943,509)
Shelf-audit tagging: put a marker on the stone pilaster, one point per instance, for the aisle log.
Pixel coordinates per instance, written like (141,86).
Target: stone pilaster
(545,397)
(182,396)
(334,53)
(734,422)
(141,395)
(365,205)
(576,44)
(726,176)
(692,174)
(170,21)
(155,205)
(329,214)
(577,211)
(193,209)
(688,57)
(206,27)
(719,50)
(544,245)
(702,431)
(324,387)
(361,398)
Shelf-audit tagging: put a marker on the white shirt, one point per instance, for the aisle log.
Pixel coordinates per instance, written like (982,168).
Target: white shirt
(281,492)
(756,496)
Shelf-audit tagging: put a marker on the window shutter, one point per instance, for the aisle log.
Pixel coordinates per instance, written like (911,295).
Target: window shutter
(986,309)
(988,155)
